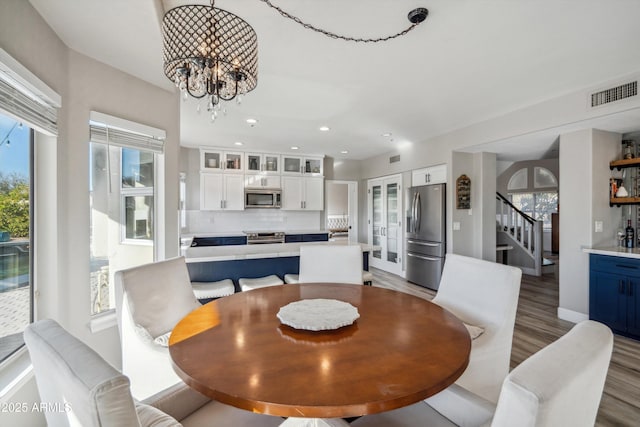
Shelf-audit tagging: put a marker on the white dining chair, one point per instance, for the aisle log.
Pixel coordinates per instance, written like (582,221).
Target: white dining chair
(95,394)
(484,295)
(150,300)
(560,385)
(331,263)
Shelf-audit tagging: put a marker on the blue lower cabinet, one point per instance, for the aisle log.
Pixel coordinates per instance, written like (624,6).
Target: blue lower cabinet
(219,241)
(614,288)
(316,237)
(308,237)
(212,271)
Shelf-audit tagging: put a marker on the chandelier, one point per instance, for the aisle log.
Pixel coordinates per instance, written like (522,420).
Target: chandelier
(209,52)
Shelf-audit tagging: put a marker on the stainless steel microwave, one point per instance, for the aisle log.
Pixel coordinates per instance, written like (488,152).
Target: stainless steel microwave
(266,198)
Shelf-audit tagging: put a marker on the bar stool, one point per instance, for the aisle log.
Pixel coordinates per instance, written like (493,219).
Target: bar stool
(259,282)
(208,290)
(291,278)
(367,277)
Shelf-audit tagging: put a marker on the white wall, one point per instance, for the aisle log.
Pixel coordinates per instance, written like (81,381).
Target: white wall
(462,241)
(584,188)
(337,198)
(484,207)
(62,250)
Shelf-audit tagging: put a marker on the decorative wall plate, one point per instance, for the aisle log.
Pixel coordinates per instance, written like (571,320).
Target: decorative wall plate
(318,314)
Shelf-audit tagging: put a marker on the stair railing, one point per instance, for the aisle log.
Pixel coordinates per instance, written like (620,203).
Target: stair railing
(525,231)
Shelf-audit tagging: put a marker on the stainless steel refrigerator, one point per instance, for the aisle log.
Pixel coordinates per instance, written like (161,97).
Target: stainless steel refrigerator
(426,237)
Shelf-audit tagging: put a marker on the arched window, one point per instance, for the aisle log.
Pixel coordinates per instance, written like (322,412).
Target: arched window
(518,181)
(544,178)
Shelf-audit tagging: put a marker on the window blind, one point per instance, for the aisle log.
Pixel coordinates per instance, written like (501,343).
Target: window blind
(26,105)
(125,138)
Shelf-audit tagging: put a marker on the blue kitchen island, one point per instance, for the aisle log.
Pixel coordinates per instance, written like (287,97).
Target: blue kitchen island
(213,263)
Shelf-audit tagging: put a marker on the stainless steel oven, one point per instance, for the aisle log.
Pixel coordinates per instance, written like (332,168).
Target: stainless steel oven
(269,198)
(260,237)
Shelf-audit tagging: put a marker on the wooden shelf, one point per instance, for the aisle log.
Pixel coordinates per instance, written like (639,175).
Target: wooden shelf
(625,163)
(618,201)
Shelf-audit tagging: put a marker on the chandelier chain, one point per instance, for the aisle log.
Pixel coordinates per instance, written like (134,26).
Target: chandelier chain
(338,36)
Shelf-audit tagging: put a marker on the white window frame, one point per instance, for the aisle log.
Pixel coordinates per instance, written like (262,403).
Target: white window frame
(134,192)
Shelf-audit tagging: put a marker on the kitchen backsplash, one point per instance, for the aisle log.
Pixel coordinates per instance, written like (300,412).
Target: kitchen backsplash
(251,219)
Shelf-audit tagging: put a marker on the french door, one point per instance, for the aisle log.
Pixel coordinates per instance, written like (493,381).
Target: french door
(384,223)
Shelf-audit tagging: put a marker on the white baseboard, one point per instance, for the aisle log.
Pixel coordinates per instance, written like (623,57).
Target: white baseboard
(571,316)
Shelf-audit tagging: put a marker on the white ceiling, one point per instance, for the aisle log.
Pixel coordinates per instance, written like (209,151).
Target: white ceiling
(469,61)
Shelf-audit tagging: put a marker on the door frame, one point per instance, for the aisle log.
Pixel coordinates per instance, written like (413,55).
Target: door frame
(352,206)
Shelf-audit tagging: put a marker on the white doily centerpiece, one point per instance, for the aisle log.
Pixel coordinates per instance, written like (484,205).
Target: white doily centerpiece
(318,314)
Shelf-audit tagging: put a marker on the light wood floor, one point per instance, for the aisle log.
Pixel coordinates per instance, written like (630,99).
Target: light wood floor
(537,325)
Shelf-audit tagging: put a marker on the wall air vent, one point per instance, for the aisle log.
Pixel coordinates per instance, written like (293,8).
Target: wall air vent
(394,159)
(606,96)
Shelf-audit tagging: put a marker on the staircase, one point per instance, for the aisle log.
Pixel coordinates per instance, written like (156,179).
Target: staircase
(524,233)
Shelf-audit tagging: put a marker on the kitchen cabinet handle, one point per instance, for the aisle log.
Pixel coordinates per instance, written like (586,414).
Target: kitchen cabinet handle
(220,204)
(427,258)
(621,286)
(630,289)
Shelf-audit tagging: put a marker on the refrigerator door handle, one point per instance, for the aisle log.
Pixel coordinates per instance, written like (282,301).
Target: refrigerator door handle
(418,212)
(413,213)
(427,258)
(423,243)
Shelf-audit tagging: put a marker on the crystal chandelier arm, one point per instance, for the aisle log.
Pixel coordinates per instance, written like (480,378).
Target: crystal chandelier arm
(416,16)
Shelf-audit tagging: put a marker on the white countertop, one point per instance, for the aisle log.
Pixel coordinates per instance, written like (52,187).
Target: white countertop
(615,251)
(270,250)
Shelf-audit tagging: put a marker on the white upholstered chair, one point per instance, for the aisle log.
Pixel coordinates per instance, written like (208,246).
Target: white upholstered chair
(95,394)
(331,263)
(482,294)
(150,300)
(561,385)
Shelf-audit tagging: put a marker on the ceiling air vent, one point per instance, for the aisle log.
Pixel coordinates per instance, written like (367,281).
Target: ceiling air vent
(394,159)
(626,90)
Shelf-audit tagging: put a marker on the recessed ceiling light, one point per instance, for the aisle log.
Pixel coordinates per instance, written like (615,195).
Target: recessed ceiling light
(252,121)
(295,147)
(239,143)
(386,134)
(324,128)
(344,152)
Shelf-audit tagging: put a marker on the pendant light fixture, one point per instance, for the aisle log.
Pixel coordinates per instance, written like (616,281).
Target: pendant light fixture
(209,52)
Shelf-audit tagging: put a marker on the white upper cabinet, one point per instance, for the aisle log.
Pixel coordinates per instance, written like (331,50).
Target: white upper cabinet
(221,161)
(264,163)
(221,192)
(261,181)
(299,165)
(431,175)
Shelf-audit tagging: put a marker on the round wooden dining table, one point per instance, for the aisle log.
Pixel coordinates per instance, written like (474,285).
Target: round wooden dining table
(401,349)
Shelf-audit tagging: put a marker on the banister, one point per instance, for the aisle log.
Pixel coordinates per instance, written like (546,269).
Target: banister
(529,219)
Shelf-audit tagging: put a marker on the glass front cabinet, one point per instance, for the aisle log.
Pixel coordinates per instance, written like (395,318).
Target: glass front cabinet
(299,165)
(262,163)
(221,161)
